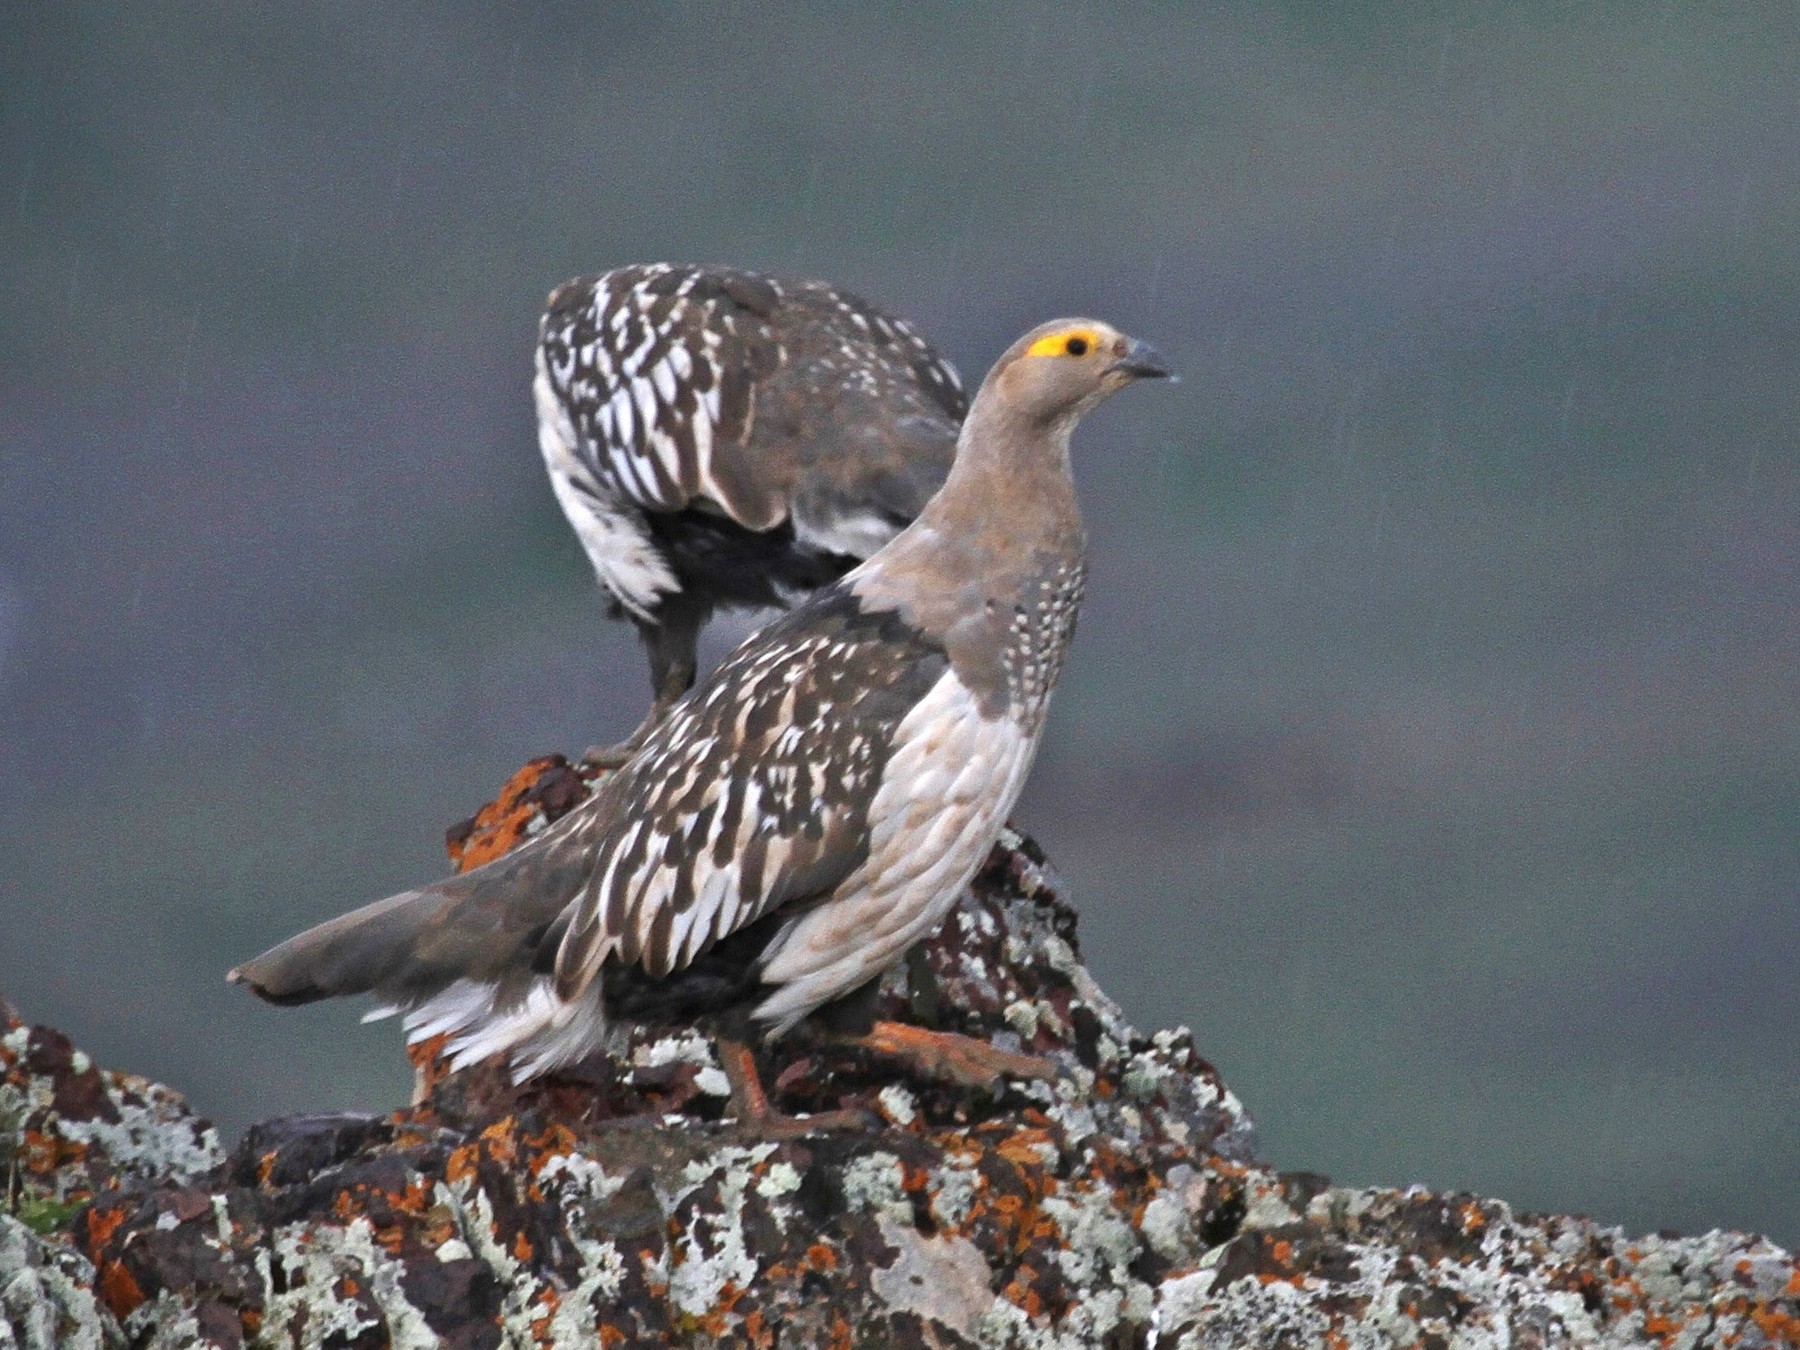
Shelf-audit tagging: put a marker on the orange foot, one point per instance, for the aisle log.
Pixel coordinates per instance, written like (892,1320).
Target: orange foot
(750,1103)
(962,1060)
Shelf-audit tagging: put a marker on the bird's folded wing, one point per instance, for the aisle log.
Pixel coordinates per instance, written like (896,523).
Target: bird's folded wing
(658,369)
(753,793)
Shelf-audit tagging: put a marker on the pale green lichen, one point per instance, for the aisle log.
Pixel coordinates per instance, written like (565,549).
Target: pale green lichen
(711,1253)
(781,1179)
(163,1323)
(314,1259)
(156,1139)
(953,1189)
(1265,1208)
(577,1186)
(1169,1219)
(1512,1290)
(1022,1016)
(875,1183)
(1098,1244)
(898,1105)
(46,1296)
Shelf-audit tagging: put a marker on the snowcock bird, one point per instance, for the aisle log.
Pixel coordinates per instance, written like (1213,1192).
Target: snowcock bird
(801,817)
(723,439)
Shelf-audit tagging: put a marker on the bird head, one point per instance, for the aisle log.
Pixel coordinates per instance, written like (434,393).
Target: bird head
(1059,370)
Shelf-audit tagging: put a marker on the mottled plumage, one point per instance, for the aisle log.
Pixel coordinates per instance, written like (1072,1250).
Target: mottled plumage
(816,805)
(721,438)
(753,793)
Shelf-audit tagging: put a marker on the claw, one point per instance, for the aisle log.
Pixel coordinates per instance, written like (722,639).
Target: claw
(962,1060)
(755,1116)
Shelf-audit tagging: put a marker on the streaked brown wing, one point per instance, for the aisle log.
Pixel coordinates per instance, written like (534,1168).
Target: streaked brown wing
(666,370)
(656,365)
(753,793)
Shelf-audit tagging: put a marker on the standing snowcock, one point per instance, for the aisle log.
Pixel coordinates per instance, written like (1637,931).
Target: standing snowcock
(801,817)
(722,439)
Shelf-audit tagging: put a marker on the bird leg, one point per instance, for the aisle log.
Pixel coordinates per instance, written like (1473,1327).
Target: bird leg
(751,1107)
(954,1058)
(609,757)
(672,641)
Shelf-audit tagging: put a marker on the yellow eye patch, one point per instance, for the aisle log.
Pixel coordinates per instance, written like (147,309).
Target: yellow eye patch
(1069,342)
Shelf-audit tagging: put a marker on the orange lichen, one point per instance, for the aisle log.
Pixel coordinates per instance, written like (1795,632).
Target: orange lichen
(821,1256)
(1777,1323)
(428,1064)
(505,822)
(1020,1294)
(550,1301)
(45,1153)
(119,1289)
(555,1141)
(502,1140)
(461,1164)
(101,1225)
(757,1330)
(717,1320)
(1662,1326)
(414,1199)
(1025,1148)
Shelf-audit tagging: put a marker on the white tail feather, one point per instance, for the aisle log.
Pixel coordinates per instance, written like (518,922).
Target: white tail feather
(540,1032)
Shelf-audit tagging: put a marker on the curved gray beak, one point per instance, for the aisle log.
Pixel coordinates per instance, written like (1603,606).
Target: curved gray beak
(1142,362)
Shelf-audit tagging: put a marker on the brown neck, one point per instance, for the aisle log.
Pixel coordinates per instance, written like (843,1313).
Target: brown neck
(1004,522)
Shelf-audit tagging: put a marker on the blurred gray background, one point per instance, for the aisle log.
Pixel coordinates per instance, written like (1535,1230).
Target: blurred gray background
(1431,741)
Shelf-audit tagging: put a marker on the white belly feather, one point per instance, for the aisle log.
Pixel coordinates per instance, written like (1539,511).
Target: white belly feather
(948,786)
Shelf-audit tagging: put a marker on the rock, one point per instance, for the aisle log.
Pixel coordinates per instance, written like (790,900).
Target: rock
(1122,1206)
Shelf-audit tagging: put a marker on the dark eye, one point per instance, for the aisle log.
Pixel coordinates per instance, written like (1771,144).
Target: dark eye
(1076,346)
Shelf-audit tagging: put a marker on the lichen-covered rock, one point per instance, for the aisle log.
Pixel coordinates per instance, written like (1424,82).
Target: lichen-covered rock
(1120,1206)
(1377,1267)
(70,1130)
(47,1294)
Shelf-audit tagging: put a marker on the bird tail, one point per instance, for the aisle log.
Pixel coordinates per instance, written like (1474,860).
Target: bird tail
(468,957)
